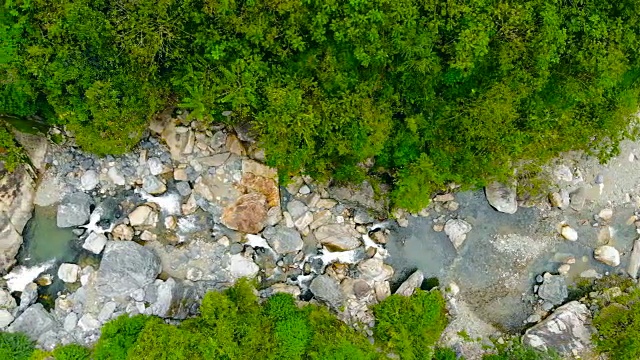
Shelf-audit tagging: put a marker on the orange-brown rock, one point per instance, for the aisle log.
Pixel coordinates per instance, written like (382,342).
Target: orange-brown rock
(265,186)
(248,214)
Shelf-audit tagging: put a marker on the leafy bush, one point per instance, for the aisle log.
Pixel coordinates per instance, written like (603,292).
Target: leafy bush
(71,352)
(618,326)
(15,346)
(410,326)
(118,336)
(464,96)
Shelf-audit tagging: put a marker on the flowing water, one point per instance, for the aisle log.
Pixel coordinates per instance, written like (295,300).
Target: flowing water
(46,243)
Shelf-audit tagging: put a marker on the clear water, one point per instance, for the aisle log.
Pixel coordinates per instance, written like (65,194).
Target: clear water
(44,241)
(498,284)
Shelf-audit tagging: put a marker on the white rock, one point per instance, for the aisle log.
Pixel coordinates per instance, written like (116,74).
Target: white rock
(88,322)
(155,166)
(5,318)
(564,269)
(605,214)
(143,216)
(457,230)
(115,176)
(569,233)
(502,197)
(89,180)
(69,272)
(70,321)
(608,255)
(634,260)
(95,243)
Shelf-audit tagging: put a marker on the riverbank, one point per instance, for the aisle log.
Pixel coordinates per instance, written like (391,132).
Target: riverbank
(193,209)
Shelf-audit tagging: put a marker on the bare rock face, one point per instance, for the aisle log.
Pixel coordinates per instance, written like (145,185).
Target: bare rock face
(566,330)
(502,197)
(248,214)
(17,191)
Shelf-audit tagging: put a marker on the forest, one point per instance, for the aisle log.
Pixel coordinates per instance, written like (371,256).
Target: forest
(412,93)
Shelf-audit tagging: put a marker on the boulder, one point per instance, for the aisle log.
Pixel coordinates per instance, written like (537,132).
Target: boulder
(240,266)
(338,237)
(153,185)
(457,230)
(125,267)
(566,331)
(122,232)
(95,243)
(143,215)
(36,147)
(68,272)
(155,166)
(116,176)
(568,233)
(327,290)
(248,214)
(33,322)
(283,240)
(74,210)
(6,318)
(28,296)
(607,255)
(634,260)
(175,299)
(375,270)
(553,289)
(89,180)
(413,282)
(17,192)
(6,300)
(502,197)
(296,208)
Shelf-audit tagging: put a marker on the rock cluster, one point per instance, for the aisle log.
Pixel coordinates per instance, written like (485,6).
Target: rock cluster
(199,206)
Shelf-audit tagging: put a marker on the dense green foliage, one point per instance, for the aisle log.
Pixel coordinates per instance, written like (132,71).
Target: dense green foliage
(433,90)
(118,337)
(72,352)
(15,346)
(410,327)
(618,325)
(234,325)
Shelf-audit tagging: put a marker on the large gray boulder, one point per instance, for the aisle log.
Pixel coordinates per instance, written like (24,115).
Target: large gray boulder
(125,267)
(17,191)
(33,322)
(338,237)
(502,197)
(568,329)
(553,289)
(74,210)
(327,290)
(283,240)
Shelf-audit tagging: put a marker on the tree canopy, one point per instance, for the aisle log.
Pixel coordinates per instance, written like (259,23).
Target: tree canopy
(433,91)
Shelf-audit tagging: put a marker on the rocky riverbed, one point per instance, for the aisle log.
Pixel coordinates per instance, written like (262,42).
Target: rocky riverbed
(194,208)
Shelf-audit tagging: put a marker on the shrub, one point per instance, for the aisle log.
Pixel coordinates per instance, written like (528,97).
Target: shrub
(410,326)
(618,326)
(15,346)
(118,336)
(72,352)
